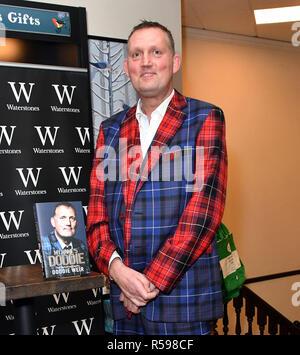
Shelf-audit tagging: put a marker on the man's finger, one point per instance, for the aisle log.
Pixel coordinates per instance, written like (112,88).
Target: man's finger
(152,294)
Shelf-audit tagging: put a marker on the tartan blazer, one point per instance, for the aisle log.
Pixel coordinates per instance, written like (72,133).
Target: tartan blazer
(161,213)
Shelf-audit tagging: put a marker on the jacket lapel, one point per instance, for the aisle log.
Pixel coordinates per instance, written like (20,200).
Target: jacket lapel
(130,155)
(134,170)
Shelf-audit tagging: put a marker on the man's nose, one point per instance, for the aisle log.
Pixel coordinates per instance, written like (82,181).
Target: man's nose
(146,61)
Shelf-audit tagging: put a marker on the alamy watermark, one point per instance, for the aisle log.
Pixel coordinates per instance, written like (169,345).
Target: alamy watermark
(2,33)
(2,295)
(296,295)
(164,163)
(296,36)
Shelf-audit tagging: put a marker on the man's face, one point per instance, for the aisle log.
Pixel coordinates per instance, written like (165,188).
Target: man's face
(150,64)
(64,221)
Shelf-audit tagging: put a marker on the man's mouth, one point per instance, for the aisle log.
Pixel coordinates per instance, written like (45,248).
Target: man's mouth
(147,75)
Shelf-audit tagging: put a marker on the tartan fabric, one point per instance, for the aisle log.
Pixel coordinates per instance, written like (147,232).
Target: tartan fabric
(99,242)
(163,227)
(139,325)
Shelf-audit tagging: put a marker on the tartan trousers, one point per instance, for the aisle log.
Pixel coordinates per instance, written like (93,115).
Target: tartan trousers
(139,325)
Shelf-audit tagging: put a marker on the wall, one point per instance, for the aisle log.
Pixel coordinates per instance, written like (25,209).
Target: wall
(257,84)
(116,18)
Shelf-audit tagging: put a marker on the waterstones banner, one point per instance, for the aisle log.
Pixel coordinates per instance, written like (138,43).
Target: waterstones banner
(45,157)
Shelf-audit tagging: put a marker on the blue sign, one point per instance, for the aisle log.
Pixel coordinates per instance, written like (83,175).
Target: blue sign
(25,19)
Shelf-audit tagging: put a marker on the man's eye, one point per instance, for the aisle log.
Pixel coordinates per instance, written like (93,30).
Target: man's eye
(135,55)
(157,52)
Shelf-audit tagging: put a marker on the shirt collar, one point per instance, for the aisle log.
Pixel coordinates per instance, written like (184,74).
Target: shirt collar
(161,109)
(62,243)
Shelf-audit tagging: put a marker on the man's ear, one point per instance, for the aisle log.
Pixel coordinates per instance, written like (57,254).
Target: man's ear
(52,222)
(176,63)
(126,66)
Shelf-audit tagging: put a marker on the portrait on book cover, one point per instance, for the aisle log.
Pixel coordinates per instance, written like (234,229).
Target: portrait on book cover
(62,238)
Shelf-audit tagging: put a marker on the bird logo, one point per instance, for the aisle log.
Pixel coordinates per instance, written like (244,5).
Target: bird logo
(58,24)
(98,66)
(101,65)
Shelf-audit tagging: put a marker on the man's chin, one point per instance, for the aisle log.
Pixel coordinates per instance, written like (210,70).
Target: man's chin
(148,92)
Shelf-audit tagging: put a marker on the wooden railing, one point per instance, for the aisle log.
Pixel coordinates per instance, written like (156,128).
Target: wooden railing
(256,313)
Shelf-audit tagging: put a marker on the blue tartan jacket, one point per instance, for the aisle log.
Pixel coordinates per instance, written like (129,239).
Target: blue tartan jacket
(158,207)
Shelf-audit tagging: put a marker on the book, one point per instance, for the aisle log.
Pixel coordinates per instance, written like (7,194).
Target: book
(61,238)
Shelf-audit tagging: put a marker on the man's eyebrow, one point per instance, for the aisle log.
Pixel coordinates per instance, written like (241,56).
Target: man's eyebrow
(140,49)
(134,49)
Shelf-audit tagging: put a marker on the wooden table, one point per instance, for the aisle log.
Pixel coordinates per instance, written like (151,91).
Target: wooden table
(24,282)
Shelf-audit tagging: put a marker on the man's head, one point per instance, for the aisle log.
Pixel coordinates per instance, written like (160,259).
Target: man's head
(152,24)
(64,220)
(151,60)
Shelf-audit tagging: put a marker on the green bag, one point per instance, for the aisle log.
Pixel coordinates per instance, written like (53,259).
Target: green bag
(232,269)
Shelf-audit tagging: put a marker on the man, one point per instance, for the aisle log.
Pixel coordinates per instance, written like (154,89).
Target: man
(64,223)
(152,235)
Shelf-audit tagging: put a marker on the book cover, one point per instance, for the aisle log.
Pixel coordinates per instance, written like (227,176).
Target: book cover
(62,239)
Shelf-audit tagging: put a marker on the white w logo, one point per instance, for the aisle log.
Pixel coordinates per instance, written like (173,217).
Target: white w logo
(96,291)
(12,218)
(72,174)
(30,175)
(58,295)
(83,325)
(85,208)
(36,258)
(85,135)
(21,90)
(2,256)
(47,134)
(65,92)
(45,330)
(3,133)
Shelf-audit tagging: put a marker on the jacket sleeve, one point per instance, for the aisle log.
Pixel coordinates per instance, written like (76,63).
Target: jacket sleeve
(99,242)
(203,214)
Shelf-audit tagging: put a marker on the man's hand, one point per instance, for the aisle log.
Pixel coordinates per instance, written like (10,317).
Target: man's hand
(134,285)
(130,306)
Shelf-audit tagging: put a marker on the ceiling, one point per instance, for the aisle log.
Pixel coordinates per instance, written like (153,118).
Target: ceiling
(236,16)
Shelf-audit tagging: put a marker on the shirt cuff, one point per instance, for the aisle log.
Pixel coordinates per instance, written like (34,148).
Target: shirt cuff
(114,255)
